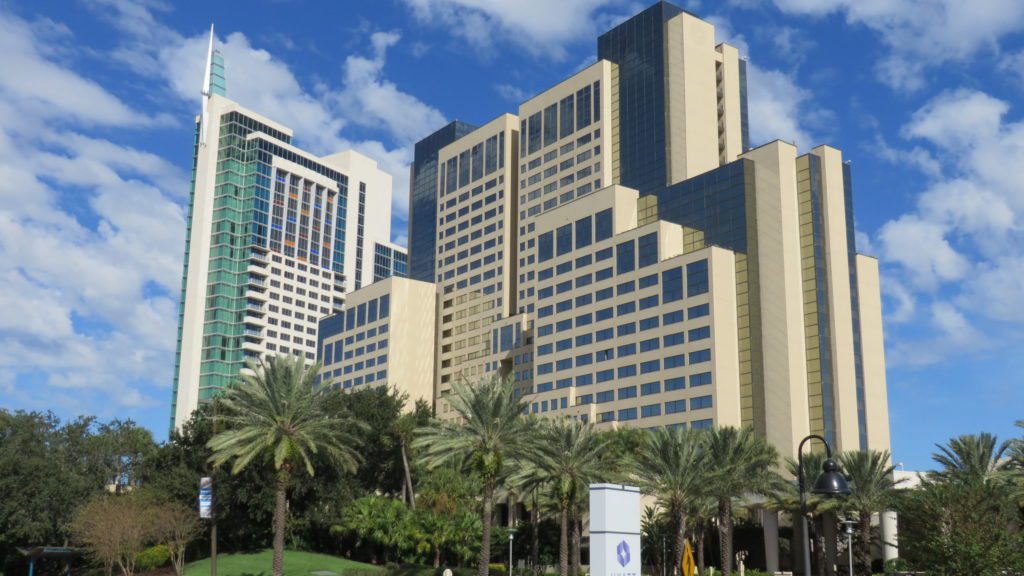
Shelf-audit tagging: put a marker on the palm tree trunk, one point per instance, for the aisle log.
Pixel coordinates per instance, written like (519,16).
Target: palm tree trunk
(574,560)
(725,535)
(408,478)
(563,542)
(485,519)
(280,511)
(819,545)
(535,537)
(437,556)
(680,539)
(700,547)
(864,554)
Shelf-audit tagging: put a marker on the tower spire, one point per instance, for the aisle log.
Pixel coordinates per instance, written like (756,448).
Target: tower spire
(205,91)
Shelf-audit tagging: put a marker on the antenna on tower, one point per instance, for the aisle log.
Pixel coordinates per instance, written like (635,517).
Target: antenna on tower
(205,91)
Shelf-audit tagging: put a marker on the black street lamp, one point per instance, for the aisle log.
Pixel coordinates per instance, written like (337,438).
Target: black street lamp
(830,483)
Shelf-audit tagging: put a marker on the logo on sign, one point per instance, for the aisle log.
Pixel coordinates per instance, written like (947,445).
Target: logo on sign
(622,553)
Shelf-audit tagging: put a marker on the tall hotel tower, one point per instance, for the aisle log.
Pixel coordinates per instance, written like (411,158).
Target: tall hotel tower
(623,252)
(276,238)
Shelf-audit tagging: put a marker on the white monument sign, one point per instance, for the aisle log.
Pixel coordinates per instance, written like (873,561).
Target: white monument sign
(614,530)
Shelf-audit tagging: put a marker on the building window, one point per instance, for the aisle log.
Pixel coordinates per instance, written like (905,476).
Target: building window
(675,406)
(564,239)
(697,278)
(650,411)
(701,333)
(700,402)
(700,356)
(699,311)
(675,383)
(545,249)
(702,379)
(603,225)
(650,388)
(647,246)
(584,233)
(627,414)
(672,284)
(625,257)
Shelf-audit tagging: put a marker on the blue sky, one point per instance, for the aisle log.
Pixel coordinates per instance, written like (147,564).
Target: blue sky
(97,100)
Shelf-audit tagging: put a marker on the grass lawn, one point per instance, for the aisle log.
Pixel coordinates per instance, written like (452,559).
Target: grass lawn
(261,564)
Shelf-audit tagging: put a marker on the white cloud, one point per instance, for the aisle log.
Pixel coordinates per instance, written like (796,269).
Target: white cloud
(922,34)
(91,234)
(33,82)
(541,27)
(513,94)
(962,245)
(776,105)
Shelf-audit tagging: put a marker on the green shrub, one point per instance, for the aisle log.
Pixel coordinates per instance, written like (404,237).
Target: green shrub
(152,558)
(896,565)
(411,570)
(497,570)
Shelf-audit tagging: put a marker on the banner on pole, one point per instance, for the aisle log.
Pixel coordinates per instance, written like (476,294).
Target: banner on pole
(206,497)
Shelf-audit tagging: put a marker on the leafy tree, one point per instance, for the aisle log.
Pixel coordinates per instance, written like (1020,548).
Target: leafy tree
(971,458)
(116,529)
(669,467)
(277,413)
(873,490)
(736,463)
(569,459)
(953,528)
(492,431)
(382,523)
(48,468)
(177,526)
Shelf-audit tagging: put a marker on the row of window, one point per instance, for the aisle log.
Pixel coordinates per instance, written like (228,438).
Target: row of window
(367,312)
(626,414)
(560,120)
(473,164)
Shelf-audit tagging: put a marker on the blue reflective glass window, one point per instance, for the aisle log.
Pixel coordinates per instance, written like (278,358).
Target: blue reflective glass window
(647,248)
(650,388)
(697,278)
(699,356)
(627,371)
(675,406)
(649,345)
(675,383)
(699,311)
(700,333)
(646,281)
(672,284)
(627,392)
(563,239)
(673,339)
(650,366)
(603,254)
(700,402)
(584,232)
(585,380)
(603,225)
(702,379)
(675,361)
(625,257)
(650,410)
(545,247)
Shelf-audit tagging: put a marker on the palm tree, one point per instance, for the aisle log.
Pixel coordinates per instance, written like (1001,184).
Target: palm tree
(874,488)
(788,498)
(702,509)
(970,458)
(1016,468)
(668,466)
(277,412)
(404,428)
(569,460)
(737,463)
(493,430)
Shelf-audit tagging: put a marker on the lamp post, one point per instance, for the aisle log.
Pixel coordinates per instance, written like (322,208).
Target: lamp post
(511,537)
(829,483)
(848,525)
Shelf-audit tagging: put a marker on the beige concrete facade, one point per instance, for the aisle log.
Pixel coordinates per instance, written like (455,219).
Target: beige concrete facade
(876,396)
(691,96)
(476,248)
(389,340)
(617,343)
